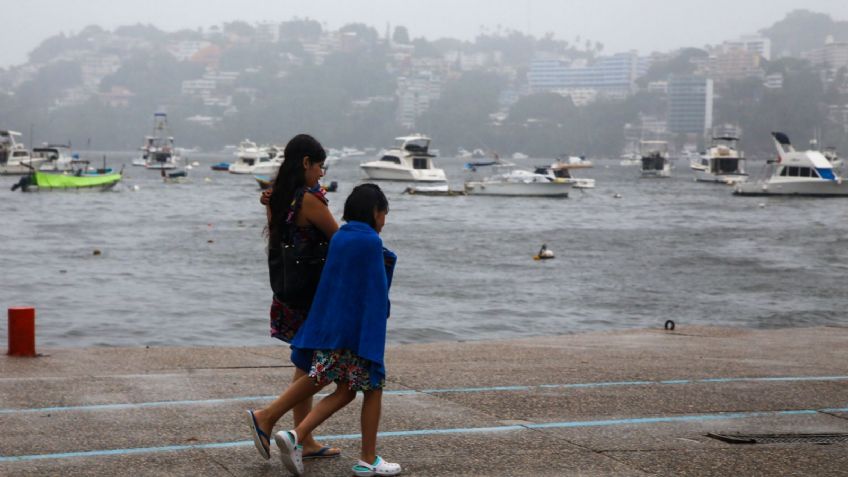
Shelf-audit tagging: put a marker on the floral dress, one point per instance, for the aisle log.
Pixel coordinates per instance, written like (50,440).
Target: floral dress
(285,319)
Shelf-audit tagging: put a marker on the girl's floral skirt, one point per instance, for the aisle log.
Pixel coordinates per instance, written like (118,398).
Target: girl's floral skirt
(342,365)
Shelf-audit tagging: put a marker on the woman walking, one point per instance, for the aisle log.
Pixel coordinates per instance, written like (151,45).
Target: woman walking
(297,214)
(344,338)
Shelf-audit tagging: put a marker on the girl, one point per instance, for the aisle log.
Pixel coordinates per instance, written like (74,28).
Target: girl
(344,338)
(295,208)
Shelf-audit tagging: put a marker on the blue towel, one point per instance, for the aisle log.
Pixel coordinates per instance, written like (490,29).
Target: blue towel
(351,304)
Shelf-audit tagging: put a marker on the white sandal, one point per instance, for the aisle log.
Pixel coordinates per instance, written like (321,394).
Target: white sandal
(379,467)
(291,454)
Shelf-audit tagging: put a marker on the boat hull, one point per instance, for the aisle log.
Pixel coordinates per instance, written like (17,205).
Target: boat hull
(518,189)
(20,169)
(403,174)
(812,188)
(657,173)
(47,181)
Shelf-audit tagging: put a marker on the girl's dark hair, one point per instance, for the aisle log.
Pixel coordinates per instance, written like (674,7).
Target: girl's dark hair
(289,179)
(363,201)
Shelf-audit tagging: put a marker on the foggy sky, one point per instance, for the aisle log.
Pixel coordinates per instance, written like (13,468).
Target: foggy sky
(621,25)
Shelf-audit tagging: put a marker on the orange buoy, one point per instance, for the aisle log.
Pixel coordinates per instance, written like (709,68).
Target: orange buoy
(22,331)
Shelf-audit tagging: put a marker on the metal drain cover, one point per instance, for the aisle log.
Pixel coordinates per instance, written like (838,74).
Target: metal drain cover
(780,438)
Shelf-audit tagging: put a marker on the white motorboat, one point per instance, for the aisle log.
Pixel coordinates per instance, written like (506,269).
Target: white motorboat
(654,159)
(408,160)
(520,156)
(158,151)
(249,155)
(561,171)
(518,182)
(802,173)
(57,158)
(722,163)
(15,159)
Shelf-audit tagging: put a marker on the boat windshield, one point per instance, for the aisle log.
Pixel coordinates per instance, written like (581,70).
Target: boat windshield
(392,159)
(417,145)
(724,166)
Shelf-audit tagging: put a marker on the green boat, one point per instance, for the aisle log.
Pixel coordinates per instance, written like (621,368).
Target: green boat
(54,181)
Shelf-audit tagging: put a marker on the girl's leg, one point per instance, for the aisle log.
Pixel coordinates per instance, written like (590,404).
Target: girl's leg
(325,408)
(302,388)
(299,412)
(370,421)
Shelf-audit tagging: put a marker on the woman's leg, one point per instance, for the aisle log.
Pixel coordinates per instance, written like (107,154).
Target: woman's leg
(301,389)
(370,421)
(325,408)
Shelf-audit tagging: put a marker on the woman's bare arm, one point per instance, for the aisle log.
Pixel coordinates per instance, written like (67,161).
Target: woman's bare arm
(316,212)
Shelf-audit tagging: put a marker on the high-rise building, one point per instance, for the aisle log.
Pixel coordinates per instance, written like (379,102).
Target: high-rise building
(690,104)
(609,76)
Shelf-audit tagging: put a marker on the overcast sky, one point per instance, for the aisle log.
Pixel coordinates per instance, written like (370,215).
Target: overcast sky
(644,25)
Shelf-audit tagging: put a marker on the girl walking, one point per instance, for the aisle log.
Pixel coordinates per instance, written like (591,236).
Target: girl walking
(344,337)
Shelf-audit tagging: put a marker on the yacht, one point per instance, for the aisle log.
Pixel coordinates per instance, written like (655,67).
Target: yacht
(158,151)
(15,159)
(57,158)
(654,158)
(806,173)
(561,171)
(408,160)
(723,162)
(519,182)
(249,155)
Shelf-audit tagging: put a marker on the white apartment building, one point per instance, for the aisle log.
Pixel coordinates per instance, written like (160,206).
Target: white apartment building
(95,67)
(834,54)
(198,88)
(752,43)
(774,81)
(184,50)
(415,95)
(267,32)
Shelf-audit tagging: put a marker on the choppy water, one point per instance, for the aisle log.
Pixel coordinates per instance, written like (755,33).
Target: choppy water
(184,264)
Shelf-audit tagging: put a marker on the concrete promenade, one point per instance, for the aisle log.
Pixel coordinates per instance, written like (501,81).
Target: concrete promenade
(623,403)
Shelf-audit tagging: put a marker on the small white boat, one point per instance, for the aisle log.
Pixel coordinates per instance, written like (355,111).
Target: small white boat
(248,156)
(158,151)
(654,159)
(15,159)
(561,171)
(519,156)
(518,182)
(722,163)
(802,173)
(56,158)
(408,160)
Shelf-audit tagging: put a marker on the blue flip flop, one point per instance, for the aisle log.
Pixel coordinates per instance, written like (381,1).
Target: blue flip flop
(258,435)
(322,453)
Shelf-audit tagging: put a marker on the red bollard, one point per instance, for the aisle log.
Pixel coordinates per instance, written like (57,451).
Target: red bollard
(22,331)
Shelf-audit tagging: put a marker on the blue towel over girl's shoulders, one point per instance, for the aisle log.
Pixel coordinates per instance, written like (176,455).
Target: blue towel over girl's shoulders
(351,304)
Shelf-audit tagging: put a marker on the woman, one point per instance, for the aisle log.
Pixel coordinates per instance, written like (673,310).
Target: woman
(297,211)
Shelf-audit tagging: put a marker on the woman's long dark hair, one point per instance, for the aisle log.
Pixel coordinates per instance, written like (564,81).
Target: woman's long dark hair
(290,178)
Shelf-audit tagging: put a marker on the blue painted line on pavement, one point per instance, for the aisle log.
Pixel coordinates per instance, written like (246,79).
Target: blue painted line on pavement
(153,404)
(430,432)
